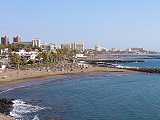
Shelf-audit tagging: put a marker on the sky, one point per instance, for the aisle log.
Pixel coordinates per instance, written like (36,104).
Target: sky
(108,23)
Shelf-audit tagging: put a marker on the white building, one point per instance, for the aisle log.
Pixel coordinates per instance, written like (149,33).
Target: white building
(135,49)
(36,42)
(99,48)
(80,56)
(29,55)
(65,46)
(73,46)
(83,64)
(77,46)
(52,47)
(4,51)
(48,47)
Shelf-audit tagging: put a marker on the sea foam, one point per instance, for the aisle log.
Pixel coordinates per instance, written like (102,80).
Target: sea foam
(21,109)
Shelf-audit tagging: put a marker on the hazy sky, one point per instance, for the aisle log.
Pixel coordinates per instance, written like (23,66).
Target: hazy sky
(110,23)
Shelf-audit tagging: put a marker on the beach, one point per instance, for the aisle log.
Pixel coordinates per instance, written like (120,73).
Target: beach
(11,77)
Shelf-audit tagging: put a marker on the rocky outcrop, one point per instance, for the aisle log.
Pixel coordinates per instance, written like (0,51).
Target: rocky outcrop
(5,106)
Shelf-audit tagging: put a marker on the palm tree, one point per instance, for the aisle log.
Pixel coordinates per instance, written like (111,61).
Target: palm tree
(52,56)
(59,54)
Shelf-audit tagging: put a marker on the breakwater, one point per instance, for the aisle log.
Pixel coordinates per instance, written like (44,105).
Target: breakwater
(147,70)
(117,64)
(111,61)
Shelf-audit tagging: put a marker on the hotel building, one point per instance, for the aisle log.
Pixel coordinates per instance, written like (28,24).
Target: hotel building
(5,40)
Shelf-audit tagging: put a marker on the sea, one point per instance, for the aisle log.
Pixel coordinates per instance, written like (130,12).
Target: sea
(98,96)
(148,63)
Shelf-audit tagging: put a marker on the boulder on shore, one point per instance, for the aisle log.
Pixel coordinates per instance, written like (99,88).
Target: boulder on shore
(6,105)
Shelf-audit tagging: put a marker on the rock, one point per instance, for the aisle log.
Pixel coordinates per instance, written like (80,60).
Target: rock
(5,106)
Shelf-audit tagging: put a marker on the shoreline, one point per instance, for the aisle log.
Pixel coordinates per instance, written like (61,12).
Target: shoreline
(42,76)
(30,75)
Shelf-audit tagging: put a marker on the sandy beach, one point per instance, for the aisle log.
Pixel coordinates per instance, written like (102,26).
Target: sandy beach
(11,77)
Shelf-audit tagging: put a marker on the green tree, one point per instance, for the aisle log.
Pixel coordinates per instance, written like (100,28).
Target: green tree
(43,57)
(15,59)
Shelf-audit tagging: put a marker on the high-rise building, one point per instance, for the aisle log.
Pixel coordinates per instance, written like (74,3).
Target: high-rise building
(77,46)
(5,40)
(65,46)
(36,42)
(17,39)
(73,46)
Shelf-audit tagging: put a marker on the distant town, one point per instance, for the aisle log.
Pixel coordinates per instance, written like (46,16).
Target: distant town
(19,53)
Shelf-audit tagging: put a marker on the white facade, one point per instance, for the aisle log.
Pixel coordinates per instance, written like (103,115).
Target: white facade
(99,48)
(77,46)
(4,51)
(30,55)
(80,56)
(48,47)
(74,46)
(52,47)
(36,42)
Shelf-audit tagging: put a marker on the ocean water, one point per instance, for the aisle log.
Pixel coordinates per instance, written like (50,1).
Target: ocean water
(107,96)
(148,63)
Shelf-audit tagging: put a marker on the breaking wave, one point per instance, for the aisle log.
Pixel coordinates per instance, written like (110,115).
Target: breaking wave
(21,109)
